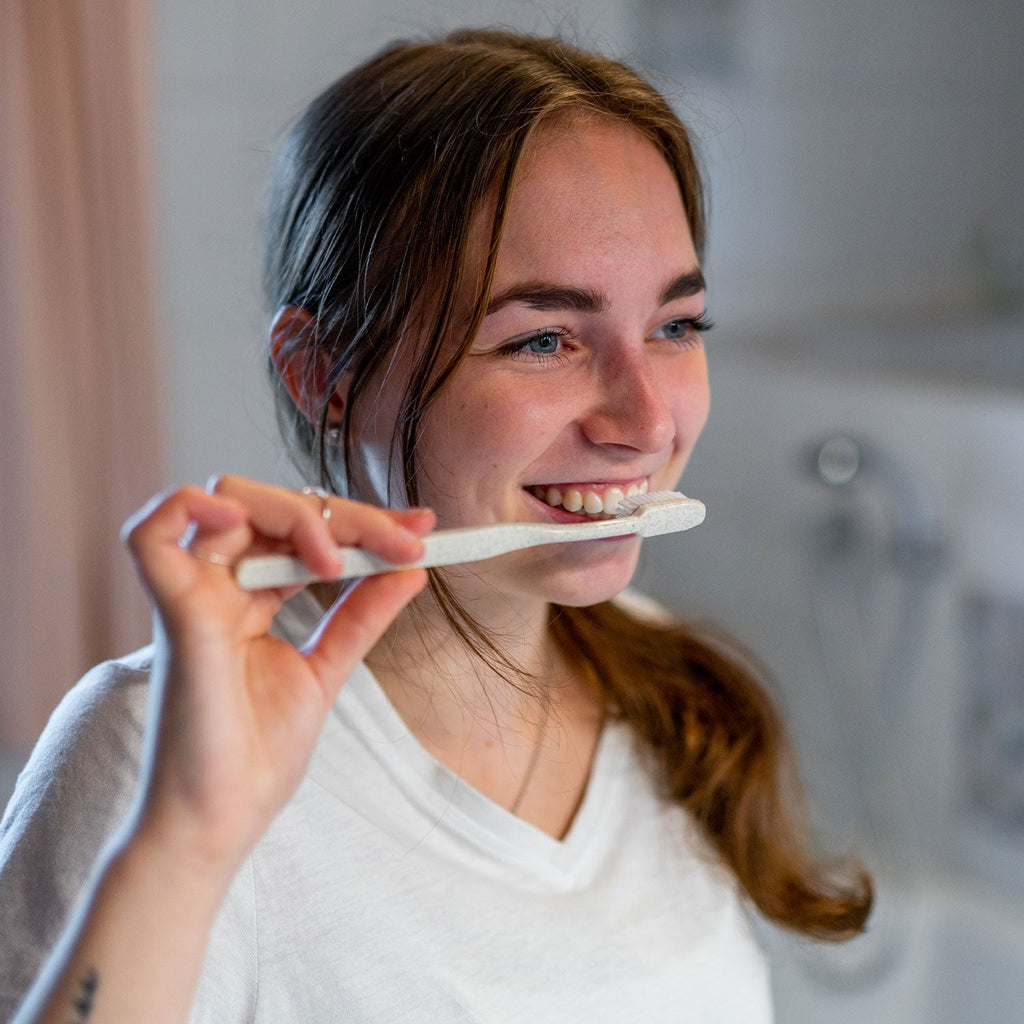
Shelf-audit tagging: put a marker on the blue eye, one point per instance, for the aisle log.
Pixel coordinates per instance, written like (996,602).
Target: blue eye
(545,344)
(684,327)
(676,328)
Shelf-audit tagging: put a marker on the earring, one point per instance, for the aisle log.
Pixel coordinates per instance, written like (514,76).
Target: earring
(334,436)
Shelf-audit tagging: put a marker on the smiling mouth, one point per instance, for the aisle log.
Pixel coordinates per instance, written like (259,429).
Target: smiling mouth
(587,499)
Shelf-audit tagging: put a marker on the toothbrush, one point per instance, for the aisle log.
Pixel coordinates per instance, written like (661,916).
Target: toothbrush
(646,515)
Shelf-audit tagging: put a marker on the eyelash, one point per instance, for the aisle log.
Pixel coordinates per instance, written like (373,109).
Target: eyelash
(518,349)
(698,324)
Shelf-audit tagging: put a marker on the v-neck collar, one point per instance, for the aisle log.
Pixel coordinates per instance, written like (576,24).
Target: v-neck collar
(453,803)
(444,800)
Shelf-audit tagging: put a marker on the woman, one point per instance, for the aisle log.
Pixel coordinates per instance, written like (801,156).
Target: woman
(508,794)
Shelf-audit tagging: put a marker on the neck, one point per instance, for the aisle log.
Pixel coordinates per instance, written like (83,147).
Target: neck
(425,666)
(520,725)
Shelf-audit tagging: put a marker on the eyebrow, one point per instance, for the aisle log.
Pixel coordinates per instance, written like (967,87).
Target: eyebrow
(550,297)
(682,287)
(544,296)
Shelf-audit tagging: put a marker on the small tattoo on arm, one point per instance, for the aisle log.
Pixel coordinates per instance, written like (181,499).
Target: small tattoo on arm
(83,1002)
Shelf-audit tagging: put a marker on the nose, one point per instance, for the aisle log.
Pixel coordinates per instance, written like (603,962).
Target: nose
(629,410)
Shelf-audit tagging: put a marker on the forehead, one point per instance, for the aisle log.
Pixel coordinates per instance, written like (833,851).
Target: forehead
(593,185)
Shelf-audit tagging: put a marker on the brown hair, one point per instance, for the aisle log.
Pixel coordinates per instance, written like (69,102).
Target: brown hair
(375,193)
(380,181)
(703,714)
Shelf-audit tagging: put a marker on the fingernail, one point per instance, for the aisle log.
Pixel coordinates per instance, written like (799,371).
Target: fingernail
(420,521)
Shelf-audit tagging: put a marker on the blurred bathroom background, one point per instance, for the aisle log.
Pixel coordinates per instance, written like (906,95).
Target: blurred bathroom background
(864,465)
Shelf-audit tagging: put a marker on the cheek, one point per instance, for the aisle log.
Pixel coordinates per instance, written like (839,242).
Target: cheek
(700,409)
(690,403)
(690,406)
(488,428)
(468,437)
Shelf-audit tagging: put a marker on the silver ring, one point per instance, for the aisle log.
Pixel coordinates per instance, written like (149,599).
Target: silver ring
(319,492)
(186,545)
(216,559)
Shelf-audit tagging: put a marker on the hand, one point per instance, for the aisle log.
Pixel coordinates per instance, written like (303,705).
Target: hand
(241,710)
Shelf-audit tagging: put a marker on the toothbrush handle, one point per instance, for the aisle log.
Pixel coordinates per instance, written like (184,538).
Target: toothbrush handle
(444,547)
(647,516)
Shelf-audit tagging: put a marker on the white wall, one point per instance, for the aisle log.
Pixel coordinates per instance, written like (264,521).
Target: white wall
(863,153)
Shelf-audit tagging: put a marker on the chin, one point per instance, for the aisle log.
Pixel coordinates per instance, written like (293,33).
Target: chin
(574,575)
(581,601)
(590,581)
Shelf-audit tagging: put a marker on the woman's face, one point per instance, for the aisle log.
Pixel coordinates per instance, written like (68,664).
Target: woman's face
(587,379)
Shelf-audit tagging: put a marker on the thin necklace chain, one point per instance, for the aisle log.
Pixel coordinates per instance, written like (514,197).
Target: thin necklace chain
(531,768)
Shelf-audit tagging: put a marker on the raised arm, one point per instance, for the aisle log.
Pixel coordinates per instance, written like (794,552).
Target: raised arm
(237,713)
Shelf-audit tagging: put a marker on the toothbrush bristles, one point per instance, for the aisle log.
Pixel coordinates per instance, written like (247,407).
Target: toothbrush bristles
(628,506)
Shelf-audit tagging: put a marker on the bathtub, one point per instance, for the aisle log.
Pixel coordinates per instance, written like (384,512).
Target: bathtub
(891,612)
(954,957)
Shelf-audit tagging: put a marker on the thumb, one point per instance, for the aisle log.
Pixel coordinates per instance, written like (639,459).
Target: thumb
(357,622)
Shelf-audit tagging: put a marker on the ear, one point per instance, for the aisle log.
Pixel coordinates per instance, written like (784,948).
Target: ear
(303,369)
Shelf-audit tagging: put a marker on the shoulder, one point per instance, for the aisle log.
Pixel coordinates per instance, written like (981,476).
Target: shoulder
(646,609)
(92,738)
(72,795)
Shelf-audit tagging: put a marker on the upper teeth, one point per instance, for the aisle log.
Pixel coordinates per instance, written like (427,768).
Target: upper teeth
(590,500)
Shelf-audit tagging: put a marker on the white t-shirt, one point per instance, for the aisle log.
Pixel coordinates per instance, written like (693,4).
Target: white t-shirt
(388,889)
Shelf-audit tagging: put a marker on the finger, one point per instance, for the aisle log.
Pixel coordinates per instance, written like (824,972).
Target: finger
(215,512)
(154,533)
(396,536)
(358,622)
(420,520)
(298,521)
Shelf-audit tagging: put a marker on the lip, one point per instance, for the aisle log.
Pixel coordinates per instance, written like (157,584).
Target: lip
(624,483)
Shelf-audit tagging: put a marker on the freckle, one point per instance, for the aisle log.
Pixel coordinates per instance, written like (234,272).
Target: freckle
(494,465)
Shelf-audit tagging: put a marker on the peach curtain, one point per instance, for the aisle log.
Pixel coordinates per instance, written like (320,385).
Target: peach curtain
(80,413)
